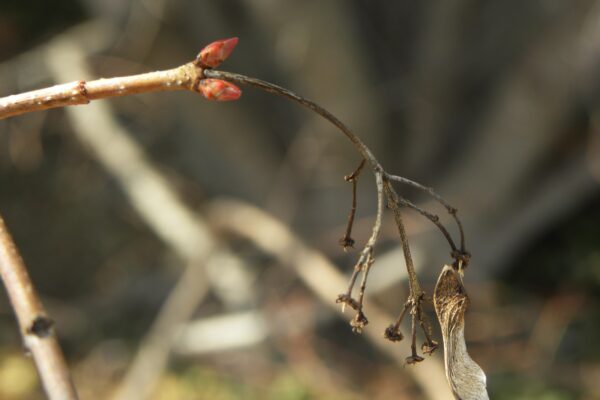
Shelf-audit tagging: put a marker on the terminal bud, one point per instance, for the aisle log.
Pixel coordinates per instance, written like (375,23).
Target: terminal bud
(216,52)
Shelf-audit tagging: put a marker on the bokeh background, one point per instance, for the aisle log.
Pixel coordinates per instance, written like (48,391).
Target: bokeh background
(130,213)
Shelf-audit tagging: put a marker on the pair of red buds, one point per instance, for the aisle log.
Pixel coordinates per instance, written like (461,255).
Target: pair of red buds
(212,56)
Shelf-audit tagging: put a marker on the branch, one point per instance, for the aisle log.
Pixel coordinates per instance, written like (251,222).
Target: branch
(431,217)
(189,76)
(37,329)
(451,210)
(364,263)
(185,77)
(394,204)
(346,241)
(279,91)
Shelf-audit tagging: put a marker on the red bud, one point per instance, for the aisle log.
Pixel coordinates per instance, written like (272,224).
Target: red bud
(220,90)
(216,52)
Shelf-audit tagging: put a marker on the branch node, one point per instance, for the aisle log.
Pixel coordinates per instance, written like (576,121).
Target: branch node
(41,326)
(461,257)
(81,86)
(345,299)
